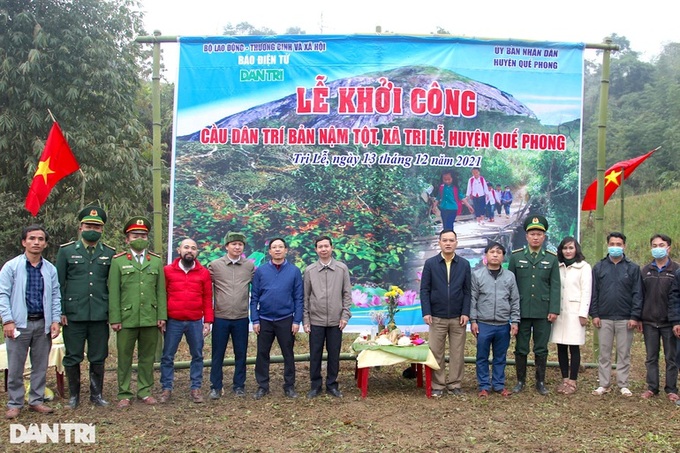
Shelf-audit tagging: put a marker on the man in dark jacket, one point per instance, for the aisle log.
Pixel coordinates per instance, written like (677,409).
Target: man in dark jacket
(445,300)
(657,280)
(674,315)
(616,308)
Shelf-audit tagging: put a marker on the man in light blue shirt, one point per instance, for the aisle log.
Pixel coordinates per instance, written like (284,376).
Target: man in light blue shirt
(30,308)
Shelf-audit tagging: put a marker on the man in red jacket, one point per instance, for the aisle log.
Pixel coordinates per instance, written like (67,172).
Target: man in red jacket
(190,313)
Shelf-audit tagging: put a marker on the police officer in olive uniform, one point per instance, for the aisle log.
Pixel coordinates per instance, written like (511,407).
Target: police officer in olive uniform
(538,280)
(83,269)
(137,309)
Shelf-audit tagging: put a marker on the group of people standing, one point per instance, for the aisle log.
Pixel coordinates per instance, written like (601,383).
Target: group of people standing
(549,297)
(92,287)
(541,294)
(487,200)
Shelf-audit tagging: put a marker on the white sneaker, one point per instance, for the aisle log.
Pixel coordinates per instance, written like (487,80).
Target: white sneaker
(626,392)
(601,391)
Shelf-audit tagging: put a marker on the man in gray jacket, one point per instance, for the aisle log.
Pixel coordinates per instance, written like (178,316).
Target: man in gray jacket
(494,314)
(327,299)
(231,276)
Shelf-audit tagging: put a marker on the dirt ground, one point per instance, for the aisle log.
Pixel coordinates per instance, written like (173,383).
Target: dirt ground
(396,416)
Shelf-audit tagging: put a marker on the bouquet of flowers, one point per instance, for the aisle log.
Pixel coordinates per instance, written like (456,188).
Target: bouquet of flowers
(392,303)
(378,317)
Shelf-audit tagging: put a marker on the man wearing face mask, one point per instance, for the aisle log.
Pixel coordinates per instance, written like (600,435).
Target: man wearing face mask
(538,280)
(83,268)
(616,308)
(657,280)
(137,308)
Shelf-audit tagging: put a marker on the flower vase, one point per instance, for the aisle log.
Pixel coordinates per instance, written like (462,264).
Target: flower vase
(381,327)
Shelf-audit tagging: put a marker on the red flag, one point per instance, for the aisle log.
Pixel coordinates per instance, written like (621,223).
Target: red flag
(56,162)
(612,180)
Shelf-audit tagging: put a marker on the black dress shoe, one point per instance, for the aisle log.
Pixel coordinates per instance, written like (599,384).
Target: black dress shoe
(290,393)
(261,392)
(239,392)
(98,400)
(518,387)
(540,388)
(74,401)
(335,392)
(313,393)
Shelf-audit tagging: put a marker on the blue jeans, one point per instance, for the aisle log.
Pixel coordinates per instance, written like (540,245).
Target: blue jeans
(174,329)
(448,218)
(496,338)
(238,329)
(479,203)
(490,211)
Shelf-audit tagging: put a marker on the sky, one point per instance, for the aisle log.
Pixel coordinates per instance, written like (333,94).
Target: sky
(647,28)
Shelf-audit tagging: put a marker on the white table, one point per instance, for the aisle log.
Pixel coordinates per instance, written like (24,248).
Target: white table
(56,358)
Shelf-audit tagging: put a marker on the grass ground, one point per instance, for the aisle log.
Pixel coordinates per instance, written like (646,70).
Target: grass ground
(396,416)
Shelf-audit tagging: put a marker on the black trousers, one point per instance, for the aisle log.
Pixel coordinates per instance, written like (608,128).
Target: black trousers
(282,330)
(332,337)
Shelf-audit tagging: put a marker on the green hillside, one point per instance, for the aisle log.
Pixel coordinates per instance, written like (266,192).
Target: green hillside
(645,215)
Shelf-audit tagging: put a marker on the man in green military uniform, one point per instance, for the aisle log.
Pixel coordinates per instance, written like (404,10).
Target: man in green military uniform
(137,308)
(538,280)
(83,269)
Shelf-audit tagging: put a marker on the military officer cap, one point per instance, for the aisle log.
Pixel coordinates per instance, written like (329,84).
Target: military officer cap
(138,223)
(233,236)
(535,222)
(92,214)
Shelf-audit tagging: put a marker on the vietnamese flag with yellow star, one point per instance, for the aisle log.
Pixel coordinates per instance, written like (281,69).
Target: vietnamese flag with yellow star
(56,162)
(612,180)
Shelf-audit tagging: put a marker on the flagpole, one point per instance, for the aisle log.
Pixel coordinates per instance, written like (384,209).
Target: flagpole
(54,120)
(82,190)
(601,160)
(623,199)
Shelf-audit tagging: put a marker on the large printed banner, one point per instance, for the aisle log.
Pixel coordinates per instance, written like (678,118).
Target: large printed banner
(359,137)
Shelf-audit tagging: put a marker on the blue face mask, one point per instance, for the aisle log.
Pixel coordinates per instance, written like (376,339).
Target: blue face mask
(659,253)
(615,252)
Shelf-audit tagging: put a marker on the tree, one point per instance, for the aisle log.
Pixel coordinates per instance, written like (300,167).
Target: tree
(643,112)
(246,29)
(78,60)
(295,31)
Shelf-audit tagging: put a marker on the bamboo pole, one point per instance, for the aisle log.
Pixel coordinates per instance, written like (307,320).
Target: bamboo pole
(601,161)
(343,357)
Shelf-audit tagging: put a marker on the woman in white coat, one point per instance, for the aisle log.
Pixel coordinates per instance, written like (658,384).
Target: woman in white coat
(569,330)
